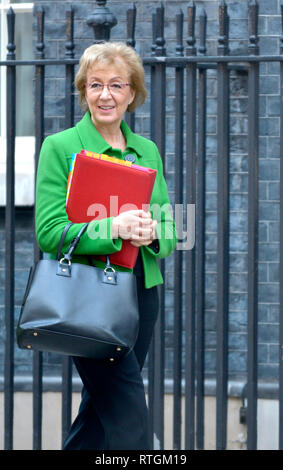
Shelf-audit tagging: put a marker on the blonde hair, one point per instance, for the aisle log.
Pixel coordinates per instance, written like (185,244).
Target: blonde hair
(110,53)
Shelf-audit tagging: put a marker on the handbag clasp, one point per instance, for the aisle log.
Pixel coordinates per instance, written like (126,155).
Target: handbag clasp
(110,276)
(64,267)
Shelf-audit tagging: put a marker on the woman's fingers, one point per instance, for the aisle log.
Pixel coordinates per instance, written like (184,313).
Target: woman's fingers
(134,225)
(145,236)
(137,213)
(142,234)
(140,243)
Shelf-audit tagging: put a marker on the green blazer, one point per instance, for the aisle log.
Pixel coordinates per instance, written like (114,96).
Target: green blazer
(51,216)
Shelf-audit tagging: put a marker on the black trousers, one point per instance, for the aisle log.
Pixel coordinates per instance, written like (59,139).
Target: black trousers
(113,414)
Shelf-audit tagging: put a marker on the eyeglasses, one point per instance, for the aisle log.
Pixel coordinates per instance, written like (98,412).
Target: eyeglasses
(115,88)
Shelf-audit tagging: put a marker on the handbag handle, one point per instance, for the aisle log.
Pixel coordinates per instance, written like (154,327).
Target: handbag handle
(73,245)
(69,254)
(63,236)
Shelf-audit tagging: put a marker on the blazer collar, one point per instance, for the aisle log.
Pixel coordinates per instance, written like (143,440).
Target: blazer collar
(93,141)
(132,139)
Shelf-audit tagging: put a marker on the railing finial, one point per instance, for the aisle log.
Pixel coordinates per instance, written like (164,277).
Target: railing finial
(160,40)
(281,39)
(202,31)
(191,50)
(70,46)
(39,46)
(131,25)
(154,34)
(223,29)
(253,27)
(179,30)
(101,20)
(11,47)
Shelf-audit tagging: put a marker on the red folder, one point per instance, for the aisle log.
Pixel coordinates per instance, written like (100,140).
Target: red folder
(103,187)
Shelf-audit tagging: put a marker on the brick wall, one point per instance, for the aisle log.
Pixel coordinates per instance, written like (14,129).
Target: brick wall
(269,32)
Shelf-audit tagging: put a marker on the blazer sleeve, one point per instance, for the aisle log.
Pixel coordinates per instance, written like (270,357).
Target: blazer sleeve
(50,211)
(161,210)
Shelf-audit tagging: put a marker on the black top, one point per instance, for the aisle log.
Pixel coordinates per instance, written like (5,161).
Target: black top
(138,269)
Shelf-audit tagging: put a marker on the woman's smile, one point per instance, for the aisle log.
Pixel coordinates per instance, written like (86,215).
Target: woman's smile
(106,108)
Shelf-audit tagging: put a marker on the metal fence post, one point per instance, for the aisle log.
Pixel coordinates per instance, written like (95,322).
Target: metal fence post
(67,364)
(253,131)
(200,237)
(10,235)
(178,255)
(281,248)
(222,230)
(39,136)
(131,28)
(158,134)
(191,70)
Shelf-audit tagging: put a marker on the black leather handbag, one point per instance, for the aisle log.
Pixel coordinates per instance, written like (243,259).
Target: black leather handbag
(79,310)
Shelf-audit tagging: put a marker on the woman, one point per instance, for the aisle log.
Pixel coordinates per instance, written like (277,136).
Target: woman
(110,81)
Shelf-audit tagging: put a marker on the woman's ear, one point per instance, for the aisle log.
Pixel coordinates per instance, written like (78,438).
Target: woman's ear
(133,94)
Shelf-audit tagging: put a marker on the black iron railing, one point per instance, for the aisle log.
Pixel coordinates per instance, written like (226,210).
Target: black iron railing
(190,68)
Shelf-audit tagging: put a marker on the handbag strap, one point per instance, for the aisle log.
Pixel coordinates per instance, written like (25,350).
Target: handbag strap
(68,255)
(63,236)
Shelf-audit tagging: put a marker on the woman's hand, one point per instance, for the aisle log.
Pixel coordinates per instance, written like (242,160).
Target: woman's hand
(136,226)
(146,241)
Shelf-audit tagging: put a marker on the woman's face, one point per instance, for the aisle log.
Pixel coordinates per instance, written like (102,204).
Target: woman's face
(108,105)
